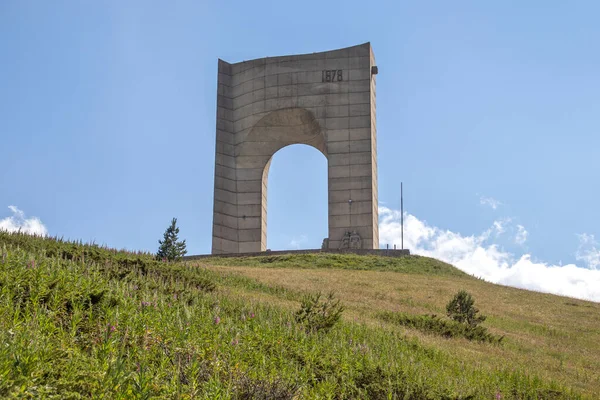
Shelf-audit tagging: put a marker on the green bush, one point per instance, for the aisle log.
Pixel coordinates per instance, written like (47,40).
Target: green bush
(461,309)
(317,314)
(246,388)
(435,325)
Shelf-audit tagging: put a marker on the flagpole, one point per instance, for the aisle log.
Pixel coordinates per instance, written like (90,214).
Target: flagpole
(401,217)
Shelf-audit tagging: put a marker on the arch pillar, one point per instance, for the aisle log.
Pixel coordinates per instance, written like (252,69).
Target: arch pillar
(325,100)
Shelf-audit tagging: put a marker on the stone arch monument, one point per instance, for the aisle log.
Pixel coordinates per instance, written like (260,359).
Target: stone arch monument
(325,100)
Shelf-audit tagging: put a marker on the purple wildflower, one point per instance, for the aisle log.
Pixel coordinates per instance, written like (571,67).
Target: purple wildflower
(498,396)
(251,315)
(235,342)
(363,348)
(217,320)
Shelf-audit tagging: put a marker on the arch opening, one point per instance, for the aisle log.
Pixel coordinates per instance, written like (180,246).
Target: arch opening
(296,202)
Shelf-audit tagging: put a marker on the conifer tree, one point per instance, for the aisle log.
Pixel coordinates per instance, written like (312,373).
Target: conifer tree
(170,248)
(462,309)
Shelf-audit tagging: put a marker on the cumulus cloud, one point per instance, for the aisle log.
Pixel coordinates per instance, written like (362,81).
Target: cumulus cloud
(18,222)
(588,251)
(478,256)
(490,202)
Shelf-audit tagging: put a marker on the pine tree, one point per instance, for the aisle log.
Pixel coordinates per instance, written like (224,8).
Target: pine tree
(170,247)
(462,309)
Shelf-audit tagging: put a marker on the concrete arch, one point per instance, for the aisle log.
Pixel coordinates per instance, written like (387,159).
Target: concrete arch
(280,128)
(325,100)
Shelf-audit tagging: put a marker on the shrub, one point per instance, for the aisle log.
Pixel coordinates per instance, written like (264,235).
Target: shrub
(246,388)
(317,314)
(435,325)
(461,309)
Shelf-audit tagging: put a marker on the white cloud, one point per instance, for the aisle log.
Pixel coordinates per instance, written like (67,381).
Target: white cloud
(296,242)
(18,222)
(500,225)
(521,236)
(477,256)
(588,251)
(489,201)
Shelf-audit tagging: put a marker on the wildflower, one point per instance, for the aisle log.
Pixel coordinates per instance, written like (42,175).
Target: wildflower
(146,303)
(251,315)
(362,348)
(112,328)
(498,396)
(217,320)
(235,342)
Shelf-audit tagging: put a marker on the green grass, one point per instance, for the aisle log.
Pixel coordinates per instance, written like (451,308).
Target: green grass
(407,264)
(82,321)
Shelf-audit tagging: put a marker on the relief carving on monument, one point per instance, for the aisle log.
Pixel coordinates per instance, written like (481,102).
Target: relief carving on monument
(351,240)
(355,241)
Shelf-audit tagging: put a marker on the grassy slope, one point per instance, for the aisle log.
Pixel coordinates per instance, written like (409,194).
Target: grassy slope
(77,321)
(554,337)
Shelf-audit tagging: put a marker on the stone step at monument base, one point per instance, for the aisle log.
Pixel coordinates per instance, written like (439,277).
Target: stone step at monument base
(362,252)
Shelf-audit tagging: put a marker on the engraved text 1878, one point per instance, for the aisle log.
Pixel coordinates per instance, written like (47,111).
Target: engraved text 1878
(332,75)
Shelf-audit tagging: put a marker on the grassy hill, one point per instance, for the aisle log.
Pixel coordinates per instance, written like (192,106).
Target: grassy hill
(80,321)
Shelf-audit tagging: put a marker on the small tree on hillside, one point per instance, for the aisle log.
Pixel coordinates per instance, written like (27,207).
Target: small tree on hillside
(170,248)
(461,309)
(319,314)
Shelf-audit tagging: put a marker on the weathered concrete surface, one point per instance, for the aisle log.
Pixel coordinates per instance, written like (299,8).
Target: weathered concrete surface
(325,100)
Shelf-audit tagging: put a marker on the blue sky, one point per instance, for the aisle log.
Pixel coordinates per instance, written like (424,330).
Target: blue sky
(107,117)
